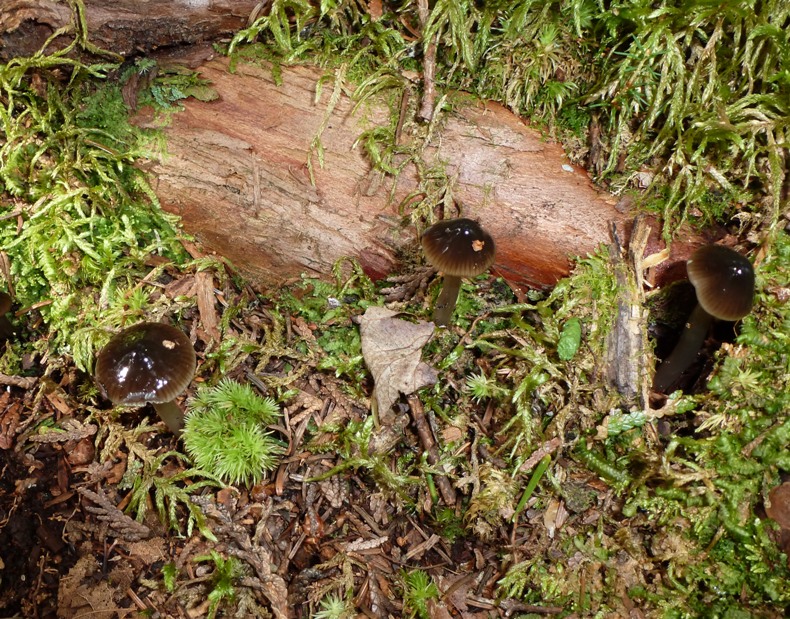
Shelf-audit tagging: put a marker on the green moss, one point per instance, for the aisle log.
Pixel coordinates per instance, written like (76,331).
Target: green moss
(80,219)
(418,590)
(695,90)
(225,433)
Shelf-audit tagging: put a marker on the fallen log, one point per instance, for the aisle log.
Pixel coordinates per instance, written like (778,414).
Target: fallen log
(236,169)
(236,172)
(126,27)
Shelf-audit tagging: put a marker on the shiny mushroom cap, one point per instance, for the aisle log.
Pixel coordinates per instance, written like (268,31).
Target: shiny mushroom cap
(458,247)
(724,281)
(149,362)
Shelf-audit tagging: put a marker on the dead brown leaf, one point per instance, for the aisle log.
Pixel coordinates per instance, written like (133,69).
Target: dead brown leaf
(554,516)
(80,452)
(181,287)
(83,594)
(778,507)
(375,9)
(392,348)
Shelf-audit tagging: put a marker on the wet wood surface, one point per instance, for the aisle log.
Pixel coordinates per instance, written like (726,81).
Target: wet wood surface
(236,172)
(126,27)
(236,167)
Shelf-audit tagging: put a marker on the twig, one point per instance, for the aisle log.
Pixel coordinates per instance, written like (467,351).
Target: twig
(428,65)
(424,431)
(123,525)
(23,382)
(512,606)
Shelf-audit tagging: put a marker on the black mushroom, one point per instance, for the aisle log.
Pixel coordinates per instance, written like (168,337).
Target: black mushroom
(724,283)
(458,248)
(148,363)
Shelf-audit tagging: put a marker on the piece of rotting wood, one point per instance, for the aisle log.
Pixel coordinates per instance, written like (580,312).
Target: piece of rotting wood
(235,170)
(126,27)
(627,347)
(235,167)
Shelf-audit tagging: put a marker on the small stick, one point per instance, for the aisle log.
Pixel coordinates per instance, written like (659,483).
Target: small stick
(23,382)
(424,431)
(428,65)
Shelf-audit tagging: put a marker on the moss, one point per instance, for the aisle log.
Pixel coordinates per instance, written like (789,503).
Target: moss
(695,90)
(81,221)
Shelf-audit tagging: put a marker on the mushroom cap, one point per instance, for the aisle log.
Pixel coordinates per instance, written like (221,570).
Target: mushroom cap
(148,362)
(779,509)
(724,281)
(458,247)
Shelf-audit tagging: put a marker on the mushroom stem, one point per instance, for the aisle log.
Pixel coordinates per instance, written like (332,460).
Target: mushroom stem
(6,329)
(445,304)
(172,415)
(685,351)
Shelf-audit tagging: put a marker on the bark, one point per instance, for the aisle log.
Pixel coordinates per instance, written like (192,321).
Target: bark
(126,27)
(236,172)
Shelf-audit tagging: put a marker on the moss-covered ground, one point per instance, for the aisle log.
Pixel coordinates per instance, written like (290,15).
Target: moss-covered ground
(563,500)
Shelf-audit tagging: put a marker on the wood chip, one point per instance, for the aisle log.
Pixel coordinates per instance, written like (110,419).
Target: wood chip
(204,282)
(361,545)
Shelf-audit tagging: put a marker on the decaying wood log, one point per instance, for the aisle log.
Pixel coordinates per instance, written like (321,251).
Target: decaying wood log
(236,173)
(236,169)
(123,26)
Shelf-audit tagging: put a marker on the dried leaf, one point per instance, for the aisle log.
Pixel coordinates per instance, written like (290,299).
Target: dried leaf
(554,516)
(437,609)
(82,594)
(375,10)
(392,349)
(778,509)
(9,420)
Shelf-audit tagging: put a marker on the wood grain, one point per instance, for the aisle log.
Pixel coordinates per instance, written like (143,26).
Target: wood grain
(236,172)
(127,27)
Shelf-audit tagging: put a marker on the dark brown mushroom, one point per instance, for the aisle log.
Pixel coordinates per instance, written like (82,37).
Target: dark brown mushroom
(458,248)
(724,282)
(149,362)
